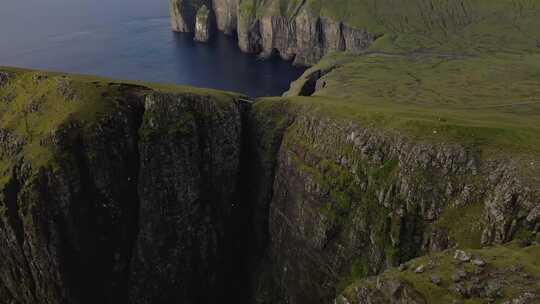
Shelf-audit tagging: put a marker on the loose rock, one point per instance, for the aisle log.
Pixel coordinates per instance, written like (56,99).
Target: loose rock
(402,267)
(462,256)
(478,262)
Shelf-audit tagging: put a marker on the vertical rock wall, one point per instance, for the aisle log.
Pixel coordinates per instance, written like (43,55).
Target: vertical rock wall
(190,154)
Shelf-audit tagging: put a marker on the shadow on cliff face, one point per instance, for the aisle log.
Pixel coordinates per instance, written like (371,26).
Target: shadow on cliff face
(98,176)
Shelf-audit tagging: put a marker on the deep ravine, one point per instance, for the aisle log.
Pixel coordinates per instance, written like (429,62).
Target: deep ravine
(160,195)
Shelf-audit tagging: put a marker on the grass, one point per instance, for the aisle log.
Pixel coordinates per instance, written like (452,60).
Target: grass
(463,224)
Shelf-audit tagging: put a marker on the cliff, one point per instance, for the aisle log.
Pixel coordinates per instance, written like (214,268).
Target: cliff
(138,193)
(351,200)
(409,173)
(299,33)
(306,31)
(107,185)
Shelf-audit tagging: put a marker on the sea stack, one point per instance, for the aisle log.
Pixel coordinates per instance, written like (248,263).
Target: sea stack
(202,24)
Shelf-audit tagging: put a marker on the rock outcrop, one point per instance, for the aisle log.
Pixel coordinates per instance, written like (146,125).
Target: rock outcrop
(184,14)
(305,38)
(225,12)
(202,25)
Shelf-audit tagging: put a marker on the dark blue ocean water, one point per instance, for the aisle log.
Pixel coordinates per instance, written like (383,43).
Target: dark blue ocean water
(129,39)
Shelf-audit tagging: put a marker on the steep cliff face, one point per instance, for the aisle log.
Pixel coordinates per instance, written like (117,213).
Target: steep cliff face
(108,184)
(128,193)
(350,201)
(68,226)
(226,15)
(190,151)
(302,35)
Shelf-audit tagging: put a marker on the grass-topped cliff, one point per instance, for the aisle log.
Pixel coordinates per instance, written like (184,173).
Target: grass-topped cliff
(403,170)
(97,177)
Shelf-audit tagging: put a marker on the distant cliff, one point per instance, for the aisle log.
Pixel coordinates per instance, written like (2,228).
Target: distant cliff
(298,34)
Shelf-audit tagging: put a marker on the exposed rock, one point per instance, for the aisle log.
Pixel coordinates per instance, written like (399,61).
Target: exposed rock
(462,256)
(226,15)
(420,269)
(304,37)
(202,25)
(478,262)
(402,267)
(65,88)
(184,12)
(4,77)
(388,292)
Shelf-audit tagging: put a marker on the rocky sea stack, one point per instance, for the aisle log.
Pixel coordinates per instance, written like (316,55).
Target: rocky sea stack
(406,170)
(203,25)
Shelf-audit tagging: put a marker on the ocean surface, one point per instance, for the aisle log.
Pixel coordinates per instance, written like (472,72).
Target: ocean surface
(129,39)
